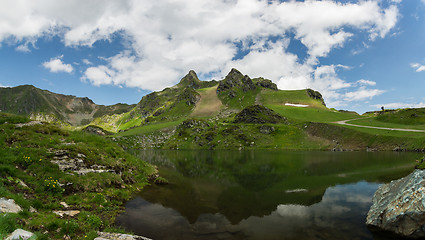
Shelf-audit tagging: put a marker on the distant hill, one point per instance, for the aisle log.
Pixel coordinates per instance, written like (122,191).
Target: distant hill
(36,103)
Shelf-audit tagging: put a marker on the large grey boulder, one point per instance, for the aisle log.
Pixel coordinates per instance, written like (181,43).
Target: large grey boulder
(399,206)
(20,234)
(9,206)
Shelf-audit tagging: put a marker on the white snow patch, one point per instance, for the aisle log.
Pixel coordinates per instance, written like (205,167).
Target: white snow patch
(296,105)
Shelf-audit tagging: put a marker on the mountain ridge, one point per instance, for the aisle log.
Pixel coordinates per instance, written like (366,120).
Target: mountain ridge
(41,104)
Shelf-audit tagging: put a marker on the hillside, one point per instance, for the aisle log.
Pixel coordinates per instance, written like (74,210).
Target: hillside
(49,172)
(40,104)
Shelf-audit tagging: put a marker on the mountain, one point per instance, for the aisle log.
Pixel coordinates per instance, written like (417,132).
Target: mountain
(236,112)
(30,101)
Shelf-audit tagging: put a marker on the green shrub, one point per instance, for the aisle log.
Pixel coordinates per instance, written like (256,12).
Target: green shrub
(70,227)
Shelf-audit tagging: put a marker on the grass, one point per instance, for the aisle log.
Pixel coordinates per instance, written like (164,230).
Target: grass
(241,98)
(309,114)
(374,122)
(202,134)
(270,97)
(26,154)
(209,105)
(149,128)
(408,116)
(348,137)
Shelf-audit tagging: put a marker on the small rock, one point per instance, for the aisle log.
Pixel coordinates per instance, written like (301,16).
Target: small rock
(19,234)
(9,206)
(119,236)
(22,184)
(70,213)
(33,210)
(32,123)
(64,204)
(59,153)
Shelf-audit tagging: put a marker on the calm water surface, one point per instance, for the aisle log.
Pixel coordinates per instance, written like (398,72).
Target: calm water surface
(262,194)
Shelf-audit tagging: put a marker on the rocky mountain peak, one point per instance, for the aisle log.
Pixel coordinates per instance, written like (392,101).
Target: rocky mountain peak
(190,80)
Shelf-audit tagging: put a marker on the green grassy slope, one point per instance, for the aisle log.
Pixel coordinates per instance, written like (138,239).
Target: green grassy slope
(409,116)
(374,122)
(25,156)
(315,112)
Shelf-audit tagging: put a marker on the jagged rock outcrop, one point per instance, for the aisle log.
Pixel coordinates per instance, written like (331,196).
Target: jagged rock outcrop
(265,83)
(235,79)
(258,114)
(315,95)
(191,80)
(399,206)
(189,96)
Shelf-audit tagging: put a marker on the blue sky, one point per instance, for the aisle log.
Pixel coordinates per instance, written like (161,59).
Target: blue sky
(359,54)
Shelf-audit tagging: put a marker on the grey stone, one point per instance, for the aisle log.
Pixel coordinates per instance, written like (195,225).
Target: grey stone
(70,213)
(32,123)
(19,234)
(399,206)
(9,206)
(119,236)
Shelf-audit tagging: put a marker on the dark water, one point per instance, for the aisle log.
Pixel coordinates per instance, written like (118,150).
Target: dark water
(262,194)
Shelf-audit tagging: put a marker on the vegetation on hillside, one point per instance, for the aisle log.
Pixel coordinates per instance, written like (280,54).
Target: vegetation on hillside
(30,176)
(409,116)
(40,104)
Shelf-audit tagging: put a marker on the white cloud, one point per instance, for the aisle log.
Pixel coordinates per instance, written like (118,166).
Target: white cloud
(417,66)
(23,48)
(56,65)
(168,38)
(87,62)
(361,94)
(400,105)
(366,82)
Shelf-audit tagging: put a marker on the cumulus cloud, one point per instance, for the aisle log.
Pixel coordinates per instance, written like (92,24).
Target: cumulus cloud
(56,65)
(366,82)
(168,38)
(418,67)
(361,94)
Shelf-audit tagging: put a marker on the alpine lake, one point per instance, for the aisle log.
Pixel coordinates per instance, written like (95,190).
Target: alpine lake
(262,194)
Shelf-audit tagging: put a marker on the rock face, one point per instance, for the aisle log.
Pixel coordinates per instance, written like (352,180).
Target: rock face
(315,95)
(9,206)
(399,206)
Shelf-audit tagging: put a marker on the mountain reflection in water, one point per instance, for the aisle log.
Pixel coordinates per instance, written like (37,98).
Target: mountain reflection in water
(261,195)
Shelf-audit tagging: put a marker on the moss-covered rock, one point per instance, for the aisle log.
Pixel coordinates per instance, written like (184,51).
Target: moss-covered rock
(316,95)
(258,114)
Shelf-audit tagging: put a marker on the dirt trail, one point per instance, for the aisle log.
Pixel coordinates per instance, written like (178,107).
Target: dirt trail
(344,122)
(209,105)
